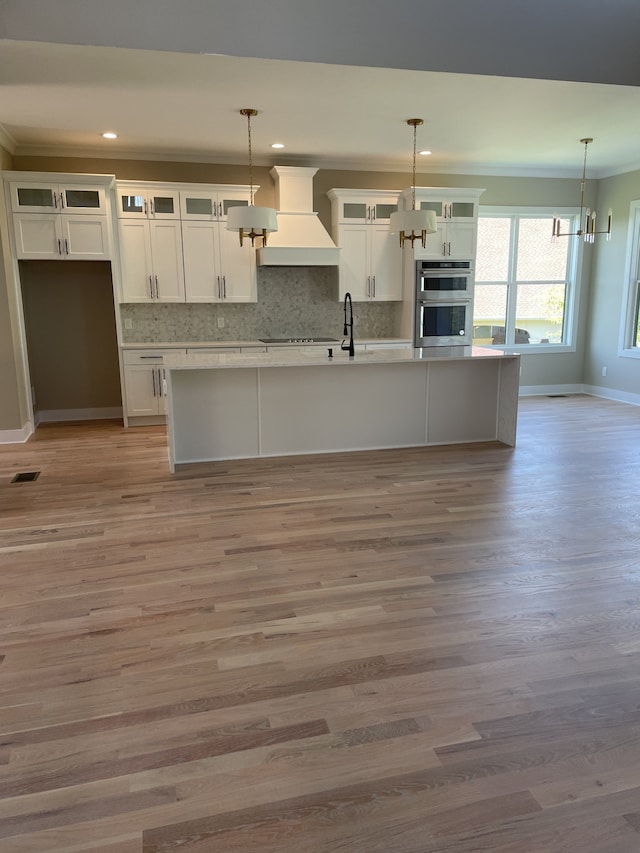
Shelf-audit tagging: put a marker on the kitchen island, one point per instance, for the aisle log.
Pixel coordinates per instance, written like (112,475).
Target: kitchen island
(243,405)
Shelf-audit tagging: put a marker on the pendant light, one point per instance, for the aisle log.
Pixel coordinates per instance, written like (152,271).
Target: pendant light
(586,228)
(413,224)
(251,221)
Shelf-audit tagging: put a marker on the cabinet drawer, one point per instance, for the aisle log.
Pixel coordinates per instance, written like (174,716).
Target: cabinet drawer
(150,356)
(211,350)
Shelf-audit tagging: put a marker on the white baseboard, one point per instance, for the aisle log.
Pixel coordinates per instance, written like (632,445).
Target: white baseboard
(58,415)
(16,436)
(612,394)
(591,390)
(550,390)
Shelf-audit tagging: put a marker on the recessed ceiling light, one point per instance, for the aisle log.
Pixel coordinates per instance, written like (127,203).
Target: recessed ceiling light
(109,134)
(424,153)
(277,145)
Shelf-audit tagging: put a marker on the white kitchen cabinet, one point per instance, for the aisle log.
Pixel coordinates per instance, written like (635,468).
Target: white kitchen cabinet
(151,261)
(216,267)
(61,217)
(456,212)
(141,200)
(65,236)
(48,196)
(370,258)
(212,203)
(363,206)
(145,382)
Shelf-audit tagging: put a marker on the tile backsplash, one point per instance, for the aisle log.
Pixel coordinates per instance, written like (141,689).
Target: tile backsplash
(292,301)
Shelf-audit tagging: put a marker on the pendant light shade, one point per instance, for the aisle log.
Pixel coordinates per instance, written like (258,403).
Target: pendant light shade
(412,225)
(251,221)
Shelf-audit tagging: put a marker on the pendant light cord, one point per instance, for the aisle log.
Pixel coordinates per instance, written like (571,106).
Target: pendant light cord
(250,156)
(248,112)
(413,181)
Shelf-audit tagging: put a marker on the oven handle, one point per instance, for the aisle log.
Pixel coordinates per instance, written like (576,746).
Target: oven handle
(426,299)
(444,273)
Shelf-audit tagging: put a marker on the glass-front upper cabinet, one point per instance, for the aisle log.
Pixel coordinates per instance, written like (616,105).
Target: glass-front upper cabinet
(449,208)
(144,201)
(212,205)
(361,206)
(28,197)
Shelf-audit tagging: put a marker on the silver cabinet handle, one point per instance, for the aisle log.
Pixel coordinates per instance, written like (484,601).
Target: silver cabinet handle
(449,249)
(157,288)
(150,356)
(219,288)
(55,200)
(150,287)
(164,381)
(153,210)
(153,380)
(224,286)
(373,280)
(66,246)
(220,209)
(61,201)
(368,285)
(145,207)
(59,247)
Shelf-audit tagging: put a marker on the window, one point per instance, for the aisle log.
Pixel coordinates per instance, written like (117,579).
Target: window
(630,342)
(525,282)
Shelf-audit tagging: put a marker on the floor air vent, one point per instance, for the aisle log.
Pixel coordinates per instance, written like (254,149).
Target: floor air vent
(26,477)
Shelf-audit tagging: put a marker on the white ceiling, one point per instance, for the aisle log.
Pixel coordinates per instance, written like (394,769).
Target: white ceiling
(58,98)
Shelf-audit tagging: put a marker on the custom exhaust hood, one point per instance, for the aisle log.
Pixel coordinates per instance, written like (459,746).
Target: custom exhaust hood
(301,239)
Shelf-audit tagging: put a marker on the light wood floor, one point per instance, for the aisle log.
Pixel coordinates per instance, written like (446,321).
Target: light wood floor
(390,652)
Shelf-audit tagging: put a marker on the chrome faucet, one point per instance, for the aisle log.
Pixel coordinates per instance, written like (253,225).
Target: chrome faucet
(349,325)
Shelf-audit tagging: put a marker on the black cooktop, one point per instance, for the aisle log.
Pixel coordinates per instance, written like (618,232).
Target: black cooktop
(298,340)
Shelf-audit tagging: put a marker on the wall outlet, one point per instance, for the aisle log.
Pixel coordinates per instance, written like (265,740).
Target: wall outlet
(128,323)
(221,322)
(604,371)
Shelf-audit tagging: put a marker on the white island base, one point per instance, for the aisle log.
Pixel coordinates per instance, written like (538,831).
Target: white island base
(237,406)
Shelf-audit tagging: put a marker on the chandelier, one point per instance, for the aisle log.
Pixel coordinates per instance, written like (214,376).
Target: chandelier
(413,224)
(251,221)
(587,225)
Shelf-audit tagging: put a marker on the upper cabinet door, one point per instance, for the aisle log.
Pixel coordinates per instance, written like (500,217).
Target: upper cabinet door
(211,206)
(198,205)
(34,198)
(83,199)
(229,199)
(37,237)
(148,202)
(57,198)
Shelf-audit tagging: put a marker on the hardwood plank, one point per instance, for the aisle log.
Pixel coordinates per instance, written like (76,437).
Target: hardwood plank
(416,650)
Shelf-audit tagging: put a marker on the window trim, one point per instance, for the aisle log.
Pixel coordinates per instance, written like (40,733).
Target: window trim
(631,295)
(575,275)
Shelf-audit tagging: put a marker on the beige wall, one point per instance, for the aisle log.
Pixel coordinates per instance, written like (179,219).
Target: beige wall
(608,290)
(71,334)
(13,415)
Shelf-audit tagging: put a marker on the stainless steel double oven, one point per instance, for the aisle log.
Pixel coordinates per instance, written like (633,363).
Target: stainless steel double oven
(444,303)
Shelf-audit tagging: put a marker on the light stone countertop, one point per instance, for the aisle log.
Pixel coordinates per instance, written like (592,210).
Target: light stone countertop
(288,358)
(221,344)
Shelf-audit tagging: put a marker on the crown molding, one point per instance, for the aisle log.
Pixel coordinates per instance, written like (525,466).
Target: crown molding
(7,141)
(355,164)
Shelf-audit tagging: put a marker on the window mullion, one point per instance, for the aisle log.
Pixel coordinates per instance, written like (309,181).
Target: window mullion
(512,292)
